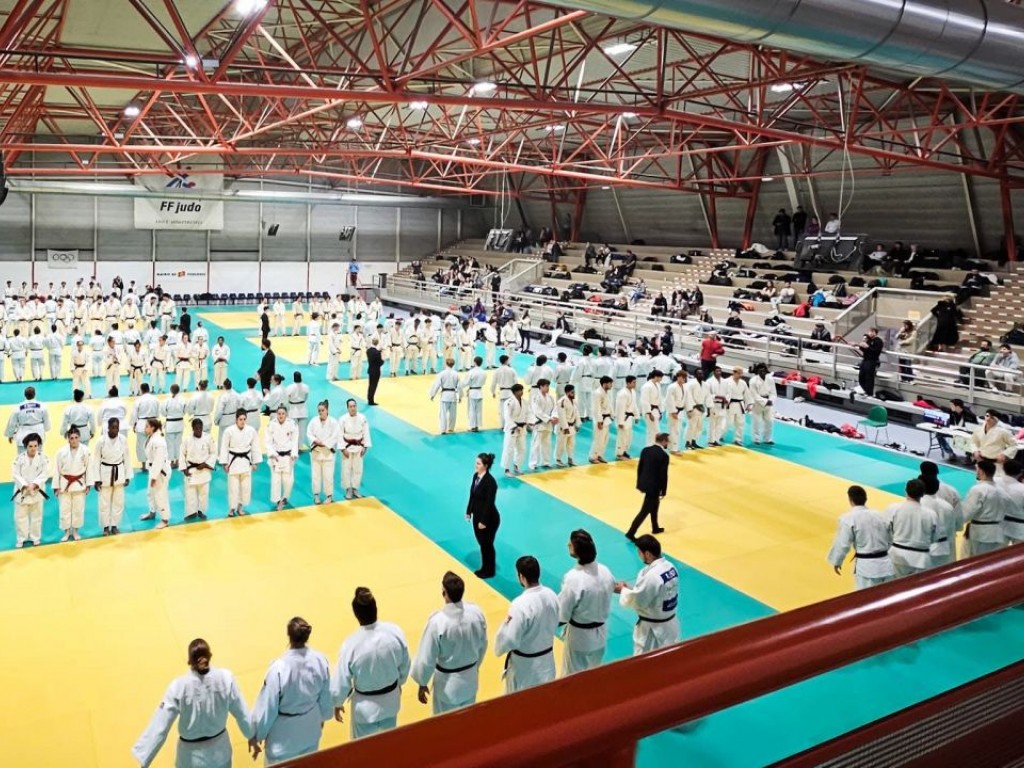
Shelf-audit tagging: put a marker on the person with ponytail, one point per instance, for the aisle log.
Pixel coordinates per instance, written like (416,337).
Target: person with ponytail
(483,514)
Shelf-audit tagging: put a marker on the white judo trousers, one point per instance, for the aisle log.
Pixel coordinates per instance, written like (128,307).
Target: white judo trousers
(72,509)
(322,465)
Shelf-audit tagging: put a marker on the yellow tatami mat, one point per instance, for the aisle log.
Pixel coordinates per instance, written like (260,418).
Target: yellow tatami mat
(295,349)
(7,367)
(759,524)
(408,398)
(95,632)
(232,321)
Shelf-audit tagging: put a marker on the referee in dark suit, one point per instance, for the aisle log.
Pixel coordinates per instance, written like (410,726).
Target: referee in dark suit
(652,481)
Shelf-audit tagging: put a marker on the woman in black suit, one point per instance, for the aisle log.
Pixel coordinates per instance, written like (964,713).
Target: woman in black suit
(483,514)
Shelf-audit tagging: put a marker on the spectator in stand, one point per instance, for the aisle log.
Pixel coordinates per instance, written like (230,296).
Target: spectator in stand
(820,333)
(976,284)
(946,335)
(871,354)
(982,358)
(959,416)
(589,254)
(638,292)
(813,228)
(799,223)
(832,226)
(1004,369)
(734,320)
(705,323)
(768,293)
(787,295)
(905,262)
(878,259)
(696,299)
(660,305)
(782,226)
(631,261)
(906,341)
(710,350)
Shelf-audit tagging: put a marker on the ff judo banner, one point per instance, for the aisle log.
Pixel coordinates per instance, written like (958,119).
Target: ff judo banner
(186,278)
(62,259)
(181,205)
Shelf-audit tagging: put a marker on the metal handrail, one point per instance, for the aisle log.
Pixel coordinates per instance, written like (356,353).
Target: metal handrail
(596,718)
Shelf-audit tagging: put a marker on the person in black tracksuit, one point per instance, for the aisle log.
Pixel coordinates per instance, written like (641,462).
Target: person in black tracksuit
(871,353)
(374,363)
(483,514)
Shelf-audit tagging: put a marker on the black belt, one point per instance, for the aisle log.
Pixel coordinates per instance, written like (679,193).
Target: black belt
(252,410)
(297,402)
(247,455)
(1013,519)
(654,621)
(379,691)
(911,549)
(180,418)
(629,415)
(39,490)
(203,738)
(192,465)
(588,625)
(445,389)
(296,714)
(475,388)
(536,655)
(115,471)
(734,400)
(984,522)
(78,366)
(284,453)
(871,555)
(137,367)
(505,389)
(454,671)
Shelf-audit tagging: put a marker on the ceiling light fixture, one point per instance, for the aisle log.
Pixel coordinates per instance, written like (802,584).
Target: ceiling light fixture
(354,123)
(473,141)
(483,87)
(787,87)
(419,104)
(191,61)
(554,128)
(619,49)
(132,110)
(249,7)
(767,178)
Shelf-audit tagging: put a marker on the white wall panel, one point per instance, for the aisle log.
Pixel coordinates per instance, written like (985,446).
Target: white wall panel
(419,233)
(281,276)
(173,246)
(290,242)
(15,271)
(118,238)
(139,271)
(376,234)
(449,226)
(64,221)
(239,240)
(15,228)
(325,225)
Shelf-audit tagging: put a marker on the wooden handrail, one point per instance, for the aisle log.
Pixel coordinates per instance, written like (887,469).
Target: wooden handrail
(588,719)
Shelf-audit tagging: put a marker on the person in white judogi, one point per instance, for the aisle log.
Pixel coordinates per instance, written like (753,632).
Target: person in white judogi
(739,401)
(239,454)
(197,459)
(584,604)
(295,701)
(252,401)
(224,411)
(914,530)
(762,413)
(516,419)
(323,433)
(37,353)
(675,407)
(30,472)
(200,701)
(80,369)
(172,411)
(354,441)
(183,368)
(568,426)
(696,401)
(943,551)
(298,316)
(539,370)
(447,384)
(509,335)
(583,380)
(396,336)
(136,368)
(526,638)
(110,471)
(55,351)
(1010,483)
(603,410)
(146,407)
(544,419)
(563,374)
(70,483)
(373,664)
(984,509)
(313,339)
(357,352)
(501,386)
(28,417)
(718,408)
(654,597)
(297,397)
(158,467)
(112,364)
(16,348)
(626,410)
(651,405)
(412,347)
(221,354)
(282,453)
(623,368)
(161,361)
(280,310)
(490,343)
(334,341)
(868,534)
(465,340)
(472,390)
(451,650)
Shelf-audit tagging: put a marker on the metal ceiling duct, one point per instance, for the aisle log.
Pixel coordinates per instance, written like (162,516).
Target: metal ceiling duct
(975,42)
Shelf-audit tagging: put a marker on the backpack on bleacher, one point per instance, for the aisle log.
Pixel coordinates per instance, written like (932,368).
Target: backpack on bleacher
(681,258)
(758,285)
(836,279)
(1015,335)
(723,280)
(746,273)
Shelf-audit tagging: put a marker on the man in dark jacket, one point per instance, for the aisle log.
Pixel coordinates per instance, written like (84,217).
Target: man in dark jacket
(185,322)
(652,481)
(374,362)
(267,366)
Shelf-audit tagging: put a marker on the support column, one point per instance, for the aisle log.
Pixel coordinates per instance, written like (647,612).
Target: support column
(32,237)
(309,245)
(259,246)
(787,173)
(755,193)
(398,235)
(95,235)
(440,225)
(1009,237)
(622,217)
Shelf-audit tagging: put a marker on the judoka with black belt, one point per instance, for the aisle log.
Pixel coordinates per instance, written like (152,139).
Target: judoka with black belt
(697,402)
(718,407)
(146,407)
(28,417)
(526,639)
(110,471)
(604,416)
(651,405)
(79,369)
(501,386)
(221,354)
(80,416)
(136,367)
(473,391)
(252,401)
(516,420)
(544,418)
(584,604)
(70,483)
(354,441)
(172,411)
(914,530)
(451,650)
(200,701)
(739,401)
(200,406)
(626,410)
(112,364)
(30,472)
(37,353)
(868,534)
(297,397)
(239,454)
(447,384)
(675,406)
(1010,483)
(55,350)
(985,508)
(762,412)
(295,701)
(282,453)
(158,466)
(224,411)
(583,380)
(323,433)
(373,664)
(567,427)
(197,460)
(654,597)
(943,551)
